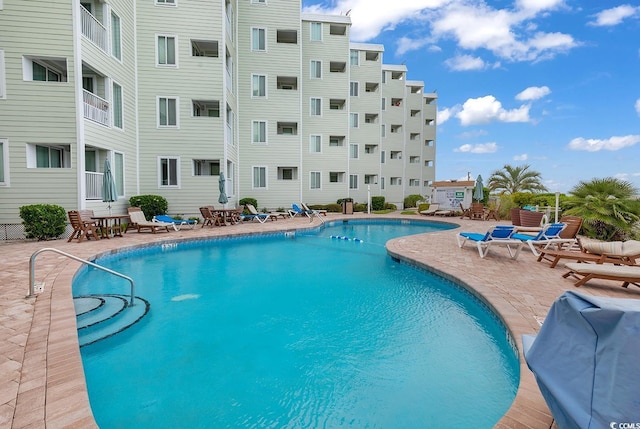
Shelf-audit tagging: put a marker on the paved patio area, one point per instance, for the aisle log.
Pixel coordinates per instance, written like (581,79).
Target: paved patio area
(41,377)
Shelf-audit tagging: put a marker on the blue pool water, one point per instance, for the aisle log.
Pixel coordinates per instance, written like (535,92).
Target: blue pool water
(296,332)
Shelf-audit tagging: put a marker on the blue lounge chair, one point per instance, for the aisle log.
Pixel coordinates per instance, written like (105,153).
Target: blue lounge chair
(178,223)
(296,210)
(500,234)
(548,235)
(255,215)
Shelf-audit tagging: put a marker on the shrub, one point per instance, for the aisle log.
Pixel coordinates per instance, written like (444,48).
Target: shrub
(359,207)
(377,203)
(422,207)
(522,199)
(412,200)
(43,221)
(389,206)
(251,201)
(151,205)
(331,208)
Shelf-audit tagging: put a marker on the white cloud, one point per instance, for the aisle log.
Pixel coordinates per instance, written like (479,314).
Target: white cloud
(533,93)
(522,157)
(637,106)
(539,5)
(405,45)
(612,143)
(445,114)
(465,62)
(487,109)
(478,148)
(614,16)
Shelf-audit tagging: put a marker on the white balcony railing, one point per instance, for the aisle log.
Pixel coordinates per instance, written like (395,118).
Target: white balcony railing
(94,185)
(96,108)
(93,30)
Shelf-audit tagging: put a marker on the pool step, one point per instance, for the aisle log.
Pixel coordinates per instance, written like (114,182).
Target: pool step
(102,316)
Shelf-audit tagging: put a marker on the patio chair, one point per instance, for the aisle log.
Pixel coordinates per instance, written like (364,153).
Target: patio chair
(295,210)
(586,272)
(141,223)
(82,229)
(255,215)
(548,235)
(466,212)
(317,212)
(431,211)
(500,235)
(179,223)
(616,252)
(210,217)
(477,211)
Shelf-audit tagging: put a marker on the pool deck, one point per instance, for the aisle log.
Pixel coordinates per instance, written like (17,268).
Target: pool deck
(42,381)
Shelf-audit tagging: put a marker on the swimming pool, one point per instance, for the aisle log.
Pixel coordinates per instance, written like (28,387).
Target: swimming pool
(297,330)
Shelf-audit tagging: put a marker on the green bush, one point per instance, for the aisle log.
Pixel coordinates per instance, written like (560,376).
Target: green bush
(333,208)
(522,199)
(423,206)
(251,201)
(359,207)
(377,203)
(43,221)
(151,205)
(389,206)
(412,200)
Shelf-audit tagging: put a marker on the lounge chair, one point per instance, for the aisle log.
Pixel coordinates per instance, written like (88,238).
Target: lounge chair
(255,215)
(82,229)
(500,235)
(616,252)
(295,210)
(431,211)
(179,223)
(548,235)
(585,272)
(141,223)
(316,212)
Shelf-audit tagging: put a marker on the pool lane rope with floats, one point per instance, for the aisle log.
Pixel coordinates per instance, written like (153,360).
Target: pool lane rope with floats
(342,237)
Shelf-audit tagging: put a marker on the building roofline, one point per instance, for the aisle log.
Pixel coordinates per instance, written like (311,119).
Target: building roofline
(318,17)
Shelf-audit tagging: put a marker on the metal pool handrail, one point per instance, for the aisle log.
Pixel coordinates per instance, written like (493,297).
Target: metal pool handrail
(32,267)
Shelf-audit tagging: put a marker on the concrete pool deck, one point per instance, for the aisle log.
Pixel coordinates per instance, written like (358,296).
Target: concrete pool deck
(42,381)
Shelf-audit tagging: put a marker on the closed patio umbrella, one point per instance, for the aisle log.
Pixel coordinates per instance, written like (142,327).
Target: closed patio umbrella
(222,199)
(478,191)
(109,190)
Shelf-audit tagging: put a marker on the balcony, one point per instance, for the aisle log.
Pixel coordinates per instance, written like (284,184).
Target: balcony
(95,108)
(93,30)
(94,185)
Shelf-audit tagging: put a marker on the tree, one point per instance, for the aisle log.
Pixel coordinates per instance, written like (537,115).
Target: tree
(511,179)
(608,206)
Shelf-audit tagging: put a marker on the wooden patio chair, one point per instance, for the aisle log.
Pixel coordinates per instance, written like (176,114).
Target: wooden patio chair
(210,217)
(466,212)
(477,211)
(82,229)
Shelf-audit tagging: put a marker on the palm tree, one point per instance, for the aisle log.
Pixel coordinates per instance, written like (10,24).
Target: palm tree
(608,206)
(511,179)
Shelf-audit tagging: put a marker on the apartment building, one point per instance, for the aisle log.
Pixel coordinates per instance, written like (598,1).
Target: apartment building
(174,93)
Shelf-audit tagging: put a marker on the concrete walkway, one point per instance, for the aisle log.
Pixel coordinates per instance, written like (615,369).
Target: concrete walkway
(41,376)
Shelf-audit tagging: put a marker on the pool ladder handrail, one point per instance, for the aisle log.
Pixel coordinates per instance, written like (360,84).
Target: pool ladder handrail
(32,268)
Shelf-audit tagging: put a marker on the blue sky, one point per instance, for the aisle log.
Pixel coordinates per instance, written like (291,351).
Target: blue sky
(550,83)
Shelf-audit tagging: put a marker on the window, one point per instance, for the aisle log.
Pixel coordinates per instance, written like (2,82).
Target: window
(287,36)
(316,31)
(315,144)
(382,156)
(206,167)
(116,43)
(169,173)
(289,83)
(2,79)
(336,141)
(414,136)
(414,160)
(414,182)
(353,151)
(370,118)
(258,39)
(337,104)
(258,85)
(314,180)
(370,179)
(316,69)
(204,48)
(370,148)
(353,181)
(288,128)
(45,73)
(287,173)
(116,103)
(206,108)
(354,60)
(166,50)
(316,107)
(259,132)
(48,156)
(395,154)
(383,130)
(371,56)
(428,142)
(166,2)
(259,177)
(258,1)
(384,77)
(167,112)
(336,177)
(4,149)
(428,163)
(337,66)
(354,89)
(384,104)
(118,172)
(395,181)
(382,183)
(337,30)
(353,120)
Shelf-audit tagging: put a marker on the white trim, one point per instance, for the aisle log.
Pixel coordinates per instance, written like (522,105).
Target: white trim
(4,147)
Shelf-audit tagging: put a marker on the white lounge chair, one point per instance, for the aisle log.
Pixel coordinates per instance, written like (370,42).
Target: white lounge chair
(141,223)
(627,274)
